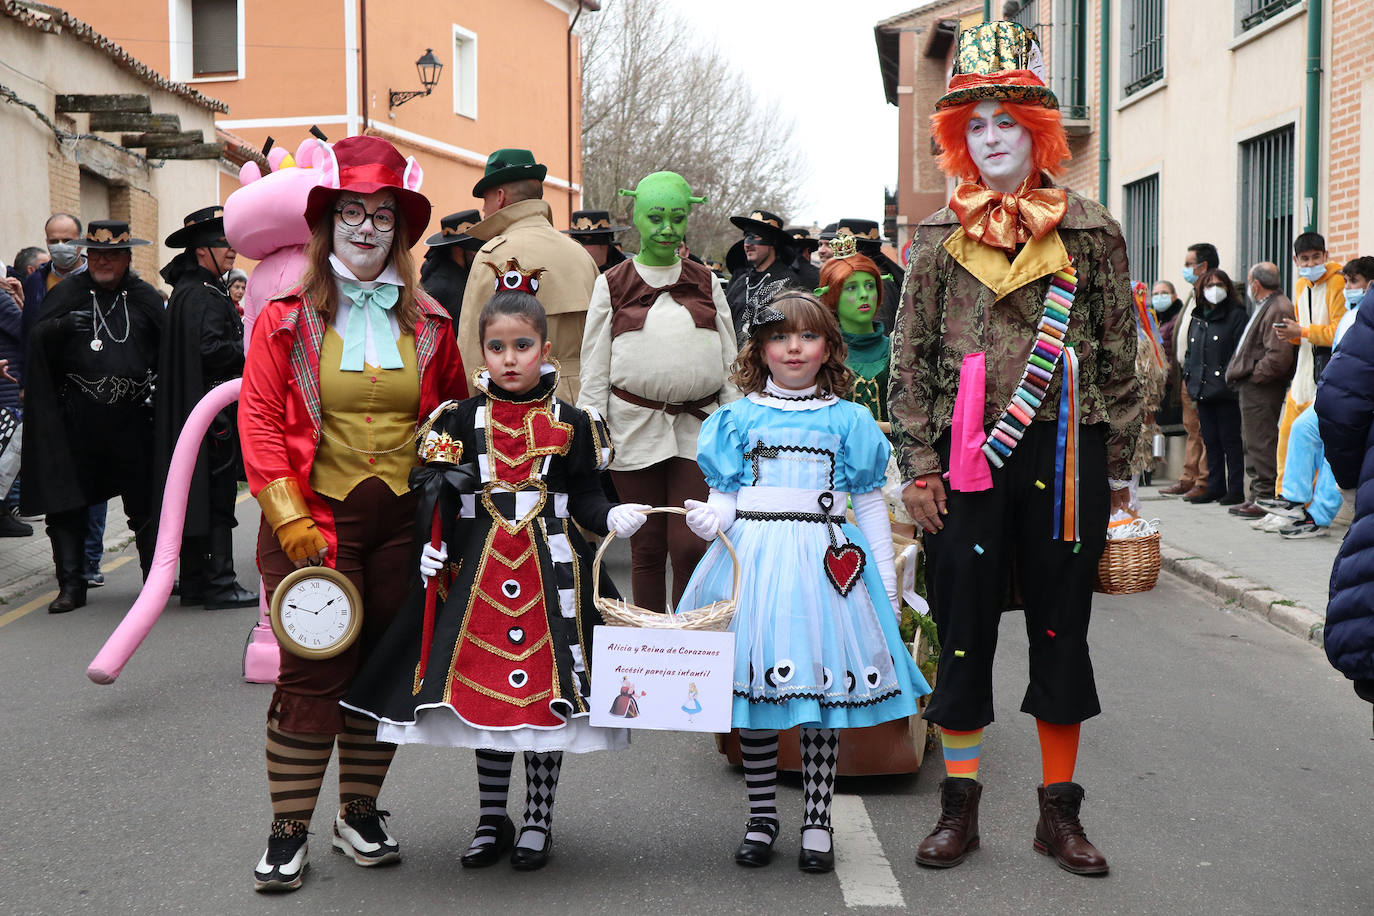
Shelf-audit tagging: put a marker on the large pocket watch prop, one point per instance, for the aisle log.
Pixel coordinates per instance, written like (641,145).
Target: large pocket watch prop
(316,612)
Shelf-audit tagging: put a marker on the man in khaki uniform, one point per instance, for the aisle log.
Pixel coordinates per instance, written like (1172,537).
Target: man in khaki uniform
(519,224)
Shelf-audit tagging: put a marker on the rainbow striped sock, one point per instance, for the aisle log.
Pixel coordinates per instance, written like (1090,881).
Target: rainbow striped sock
(961,752)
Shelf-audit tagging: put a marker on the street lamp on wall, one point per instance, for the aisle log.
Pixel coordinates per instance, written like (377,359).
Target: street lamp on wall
(429,67)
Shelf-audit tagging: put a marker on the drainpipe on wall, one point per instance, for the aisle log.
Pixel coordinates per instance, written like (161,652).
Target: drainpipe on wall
(362,62)
(1104,97)
(1312,123)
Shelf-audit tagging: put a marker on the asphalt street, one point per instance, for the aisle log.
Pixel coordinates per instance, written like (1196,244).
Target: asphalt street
(1230,773)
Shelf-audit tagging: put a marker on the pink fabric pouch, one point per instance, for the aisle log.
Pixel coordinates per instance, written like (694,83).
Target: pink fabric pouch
(968,466)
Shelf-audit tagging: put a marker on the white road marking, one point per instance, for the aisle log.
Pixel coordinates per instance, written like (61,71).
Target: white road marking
(866,878)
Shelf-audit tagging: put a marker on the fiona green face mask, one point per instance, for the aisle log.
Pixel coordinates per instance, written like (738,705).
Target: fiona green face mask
(857,304)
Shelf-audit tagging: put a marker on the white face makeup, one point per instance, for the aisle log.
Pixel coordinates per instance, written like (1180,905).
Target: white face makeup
(364,248)
(1000,147)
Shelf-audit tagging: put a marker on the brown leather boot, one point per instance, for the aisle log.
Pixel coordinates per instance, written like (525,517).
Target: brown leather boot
(1178,489)
(1059,833)
(956,832)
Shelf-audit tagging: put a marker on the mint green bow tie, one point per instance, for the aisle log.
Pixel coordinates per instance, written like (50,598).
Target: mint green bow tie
(370,306)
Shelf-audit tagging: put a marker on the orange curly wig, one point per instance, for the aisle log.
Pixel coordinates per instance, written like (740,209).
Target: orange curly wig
(1049,143)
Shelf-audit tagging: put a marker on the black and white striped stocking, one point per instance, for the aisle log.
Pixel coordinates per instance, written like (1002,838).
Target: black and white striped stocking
(758,752)
(493,784)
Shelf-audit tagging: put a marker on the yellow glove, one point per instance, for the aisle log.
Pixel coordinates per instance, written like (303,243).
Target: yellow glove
(301,540)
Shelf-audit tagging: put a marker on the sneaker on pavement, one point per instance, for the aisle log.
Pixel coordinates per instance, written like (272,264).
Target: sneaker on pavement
(1306,528)
(1293,510)
(95,578)
(282,867)
(1272,523)
(12,527)
(360,834)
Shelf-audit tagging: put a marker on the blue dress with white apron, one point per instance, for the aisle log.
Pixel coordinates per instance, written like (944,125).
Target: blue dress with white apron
(804,653)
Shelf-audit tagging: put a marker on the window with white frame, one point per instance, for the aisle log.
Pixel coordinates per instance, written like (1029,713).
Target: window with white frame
(1265,200)
(1142,40)
(1250,13)
(1141,228)
(464,72)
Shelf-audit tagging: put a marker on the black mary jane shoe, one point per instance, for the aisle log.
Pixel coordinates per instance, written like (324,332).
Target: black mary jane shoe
(491,853)
(752,853)
(524,859)
(814,862)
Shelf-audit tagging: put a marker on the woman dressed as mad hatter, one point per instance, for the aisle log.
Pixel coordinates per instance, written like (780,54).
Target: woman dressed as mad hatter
(1013,374)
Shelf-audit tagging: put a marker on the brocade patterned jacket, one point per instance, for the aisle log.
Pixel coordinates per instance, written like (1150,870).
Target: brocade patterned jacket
(962,297)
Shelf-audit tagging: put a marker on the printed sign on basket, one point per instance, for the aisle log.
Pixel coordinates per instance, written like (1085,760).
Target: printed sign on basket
(670,680)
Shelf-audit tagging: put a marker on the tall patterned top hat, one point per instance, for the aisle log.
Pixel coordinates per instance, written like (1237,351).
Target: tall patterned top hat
(593,226)
(998,60)
(107,234)
(202,229)
(453,230)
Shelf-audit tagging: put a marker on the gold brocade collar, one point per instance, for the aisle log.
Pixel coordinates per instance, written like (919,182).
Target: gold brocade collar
(1039,258)
(1005,221)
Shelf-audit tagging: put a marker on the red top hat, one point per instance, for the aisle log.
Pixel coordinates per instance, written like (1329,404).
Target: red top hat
(364,165)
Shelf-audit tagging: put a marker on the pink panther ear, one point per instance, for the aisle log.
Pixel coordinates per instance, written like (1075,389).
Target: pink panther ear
(276,157)
(414,175)
(328,165)
(249,172)
(305,153)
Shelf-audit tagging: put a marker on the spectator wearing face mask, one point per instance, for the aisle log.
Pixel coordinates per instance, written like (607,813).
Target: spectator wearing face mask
(1192,482)
(1218,322)
(63,234)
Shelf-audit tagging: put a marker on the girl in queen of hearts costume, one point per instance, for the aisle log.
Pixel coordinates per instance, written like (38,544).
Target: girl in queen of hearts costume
(501,664)
(816,639)
(1013,376)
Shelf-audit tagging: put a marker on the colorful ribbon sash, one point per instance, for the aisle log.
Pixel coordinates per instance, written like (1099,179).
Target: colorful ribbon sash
(1066,454)
(1035,378)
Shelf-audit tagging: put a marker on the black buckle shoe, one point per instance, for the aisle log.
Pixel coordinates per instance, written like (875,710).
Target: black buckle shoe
(752,853)
(814,861)
(523,858)
(490,853)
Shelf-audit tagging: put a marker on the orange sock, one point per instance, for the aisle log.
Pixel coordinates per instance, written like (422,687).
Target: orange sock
(1058,750)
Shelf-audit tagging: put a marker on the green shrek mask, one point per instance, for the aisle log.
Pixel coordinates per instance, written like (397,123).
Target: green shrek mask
(663,202)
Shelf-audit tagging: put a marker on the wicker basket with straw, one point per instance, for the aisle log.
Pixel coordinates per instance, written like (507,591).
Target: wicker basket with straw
(1129,565)
(618,612)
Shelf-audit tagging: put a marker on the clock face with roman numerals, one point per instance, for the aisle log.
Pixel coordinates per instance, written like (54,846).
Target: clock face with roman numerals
(316,612)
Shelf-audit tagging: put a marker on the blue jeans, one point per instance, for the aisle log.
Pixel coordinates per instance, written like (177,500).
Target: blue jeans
(95,536)
(1307,478)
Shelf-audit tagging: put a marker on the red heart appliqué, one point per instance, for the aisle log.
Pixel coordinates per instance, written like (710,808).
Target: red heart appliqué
(844,566)
(544,435)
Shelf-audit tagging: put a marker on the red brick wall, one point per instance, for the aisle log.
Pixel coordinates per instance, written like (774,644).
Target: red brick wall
(1350,65)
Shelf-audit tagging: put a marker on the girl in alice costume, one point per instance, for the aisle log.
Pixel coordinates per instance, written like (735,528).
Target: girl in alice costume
(498,659)
(1014,386)
(816,639)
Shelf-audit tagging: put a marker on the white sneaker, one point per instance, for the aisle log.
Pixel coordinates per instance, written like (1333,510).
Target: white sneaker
(282,867)
(1272,523)
(361,835)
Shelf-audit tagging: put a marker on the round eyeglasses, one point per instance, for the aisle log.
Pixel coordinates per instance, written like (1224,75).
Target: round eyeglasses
(353,214)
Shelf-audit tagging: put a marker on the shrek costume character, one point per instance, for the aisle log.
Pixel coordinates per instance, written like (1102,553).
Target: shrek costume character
(852,286)
(1013,372)
(656,361)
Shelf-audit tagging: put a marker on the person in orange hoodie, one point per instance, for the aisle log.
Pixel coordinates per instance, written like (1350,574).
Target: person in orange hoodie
(1319,300)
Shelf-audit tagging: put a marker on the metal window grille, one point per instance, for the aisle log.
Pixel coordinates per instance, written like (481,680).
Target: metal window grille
(1251,13)
(1070,66)
(1266,201)
(214,36)
(1026,12)
(1142,228)
(1143,37)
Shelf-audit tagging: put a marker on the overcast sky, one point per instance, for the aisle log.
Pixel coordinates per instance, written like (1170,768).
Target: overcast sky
(807,57)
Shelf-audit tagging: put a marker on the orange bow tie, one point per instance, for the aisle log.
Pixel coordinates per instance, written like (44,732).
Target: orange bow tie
(1007,220)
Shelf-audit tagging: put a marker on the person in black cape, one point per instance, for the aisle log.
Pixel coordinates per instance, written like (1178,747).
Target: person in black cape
(89,375)
(444,273)
(766,270)
(202,347)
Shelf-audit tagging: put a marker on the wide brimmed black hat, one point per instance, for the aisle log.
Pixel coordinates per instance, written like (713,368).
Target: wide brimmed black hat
(108,234)
(802,239)
(828,232)
(202,229)
(507,165)
(453,230)
(767,226)
(593,226)
(865,232)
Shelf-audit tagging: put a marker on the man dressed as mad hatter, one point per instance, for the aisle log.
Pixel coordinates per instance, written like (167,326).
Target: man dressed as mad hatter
(1015,409)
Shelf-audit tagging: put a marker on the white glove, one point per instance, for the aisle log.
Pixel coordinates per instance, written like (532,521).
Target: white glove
(432,559)
(705,519)
(626,518)
(870,516)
